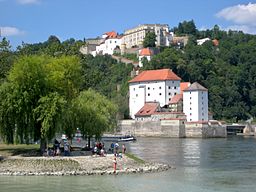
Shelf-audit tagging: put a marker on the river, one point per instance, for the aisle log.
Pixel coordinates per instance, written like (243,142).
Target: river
(200,165)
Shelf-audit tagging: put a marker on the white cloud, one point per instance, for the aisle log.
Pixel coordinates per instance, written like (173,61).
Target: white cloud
(11,31)
(242,17)
(240,14)
(28,1)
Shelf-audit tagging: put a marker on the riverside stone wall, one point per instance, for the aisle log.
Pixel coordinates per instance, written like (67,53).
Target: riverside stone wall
(172,128)
(205,130)
(161,128)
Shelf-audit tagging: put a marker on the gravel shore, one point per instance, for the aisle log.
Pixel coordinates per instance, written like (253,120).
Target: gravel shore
(75,165)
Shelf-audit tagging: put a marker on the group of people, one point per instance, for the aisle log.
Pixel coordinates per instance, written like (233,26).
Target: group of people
(98,149)
(115,148)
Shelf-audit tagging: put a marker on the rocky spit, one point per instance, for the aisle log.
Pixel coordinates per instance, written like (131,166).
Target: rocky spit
(75,165)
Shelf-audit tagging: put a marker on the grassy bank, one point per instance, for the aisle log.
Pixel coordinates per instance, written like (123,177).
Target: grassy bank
(23,150)
(135,158)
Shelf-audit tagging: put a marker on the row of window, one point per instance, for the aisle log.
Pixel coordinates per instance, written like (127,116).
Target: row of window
(161,94)
(169,87)
(191,114)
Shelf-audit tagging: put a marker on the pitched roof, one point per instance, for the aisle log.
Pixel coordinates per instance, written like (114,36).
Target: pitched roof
(148,109)
(196,87)
(155,75)
(111,34)
(176,98)
(146,52)
(184,85)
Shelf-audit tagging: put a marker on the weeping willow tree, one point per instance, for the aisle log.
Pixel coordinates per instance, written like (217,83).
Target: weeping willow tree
(33,99)
(94,114)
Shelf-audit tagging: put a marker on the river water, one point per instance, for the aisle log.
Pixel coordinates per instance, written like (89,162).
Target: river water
(201,165)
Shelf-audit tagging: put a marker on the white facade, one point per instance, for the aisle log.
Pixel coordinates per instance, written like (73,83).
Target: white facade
(135,36)
(195,104)
(108,46)
(160,91)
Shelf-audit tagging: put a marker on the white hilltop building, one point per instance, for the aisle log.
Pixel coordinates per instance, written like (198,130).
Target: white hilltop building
(135,36)
(110,41)
(152,86)
(195,103)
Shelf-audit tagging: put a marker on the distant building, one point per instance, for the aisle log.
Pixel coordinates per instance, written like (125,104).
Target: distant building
(145,53)
(134,37)
(195,103)
(152,86)
(110,41)
(179,41)
(202,41)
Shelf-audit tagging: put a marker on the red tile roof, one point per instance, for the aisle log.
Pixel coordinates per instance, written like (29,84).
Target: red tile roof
(146,52)
(215,42)
(184,85)
(176,98)
(111,34)
(148,109)
(156,75)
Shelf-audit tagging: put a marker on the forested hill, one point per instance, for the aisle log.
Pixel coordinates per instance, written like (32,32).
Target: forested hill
(227,70)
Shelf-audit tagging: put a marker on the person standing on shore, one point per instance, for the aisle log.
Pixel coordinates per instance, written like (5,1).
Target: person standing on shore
(123,149)
(114,164)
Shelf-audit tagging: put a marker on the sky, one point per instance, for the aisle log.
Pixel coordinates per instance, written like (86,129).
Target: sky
(33,21)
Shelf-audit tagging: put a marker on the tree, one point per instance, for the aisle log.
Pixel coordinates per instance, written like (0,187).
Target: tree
(94,114)
(33,99)
(149,40)
(6,58)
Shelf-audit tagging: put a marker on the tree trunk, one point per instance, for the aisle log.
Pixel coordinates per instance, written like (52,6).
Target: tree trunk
(43,146)
(89,142)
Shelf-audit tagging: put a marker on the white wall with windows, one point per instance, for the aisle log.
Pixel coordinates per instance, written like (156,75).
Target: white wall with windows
(159,91)
(195,105)
(108,46)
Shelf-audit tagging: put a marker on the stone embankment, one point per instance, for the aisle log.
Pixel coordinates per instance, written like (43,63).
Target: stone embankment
(81,165)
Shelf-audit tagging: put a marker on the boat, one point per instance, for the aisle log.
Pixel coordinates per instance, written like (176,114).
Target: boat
(119,138)
(127,138)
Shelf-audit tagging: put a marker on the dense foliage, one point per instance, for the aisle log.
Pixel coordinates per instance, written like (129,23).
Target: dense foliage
(149,40)
(228,70)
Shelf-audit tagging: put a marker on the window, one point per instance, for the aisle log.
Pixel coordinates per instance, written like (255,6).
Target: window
(190,92)
(169,94)
(160,93)
(202,114)
(110,41)
(175,87)
(190,119)
(190,114)
(169,99)
(175,93)
(190,98)
(133,89)
(190,108)
(148,94)
(169,87)
(136,95)
(159,87)
(148,88)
